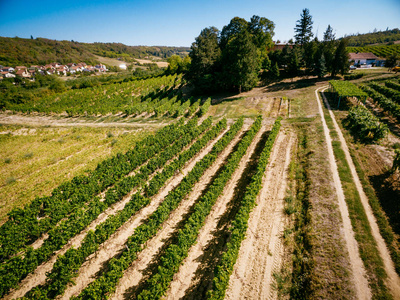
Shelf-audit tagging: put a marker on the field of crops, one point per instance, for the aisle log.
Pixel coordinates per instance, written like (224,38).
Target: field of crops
(119,190)
(386,95)
(379,50)
(154,97)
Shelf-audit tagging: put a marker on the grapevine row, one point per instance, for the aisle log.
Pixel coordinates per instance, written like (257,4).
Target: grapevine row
(26,225)
(106,282)
(346,89)
(18,267)
(239,225)
(384,102)
(174,255)
(365,125)
(68,264)
(388,92)
(393,85)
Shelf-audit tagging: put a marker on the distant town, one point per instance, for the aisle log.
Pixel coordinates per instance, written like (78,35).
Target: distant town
(50,69)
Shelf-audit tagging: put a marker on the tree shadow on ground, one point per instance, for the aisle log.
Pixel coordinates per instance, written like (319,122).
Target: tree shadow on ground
(389,196)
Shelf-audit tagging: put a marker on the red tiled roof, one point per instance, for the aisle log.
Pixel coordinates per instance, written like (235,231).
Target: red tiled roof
(368,55)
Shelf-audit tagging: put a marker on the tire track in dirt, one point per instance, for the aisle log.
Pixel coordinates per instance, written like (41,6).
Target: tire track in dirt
(135,274)
(185,278)
(393,280)
(116,242)
(39,275)
(261,252)
(359,275)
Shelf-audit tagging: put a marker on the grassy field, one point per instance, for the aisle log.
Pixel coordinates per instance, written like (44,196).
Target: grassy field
(35,160)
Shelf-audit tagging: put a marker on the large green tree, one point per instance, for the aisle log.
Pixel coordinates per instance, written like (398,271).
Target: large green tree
(205,55)
(303,28)
(240,63)
(341,59)
(232,59)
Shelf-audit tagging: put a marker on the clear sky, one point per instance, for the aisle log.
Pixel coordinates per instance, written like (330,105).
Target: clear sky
(178,22)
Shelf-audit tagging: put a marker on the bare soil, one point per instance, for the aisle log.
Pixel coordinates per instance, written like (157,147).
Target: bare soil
(261,251)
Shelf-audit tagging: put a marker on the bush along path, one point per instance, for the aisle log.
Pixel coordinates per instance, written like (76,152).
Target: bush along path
(107,281)
(174,255)
(67,265)
(19,267)
(239,225)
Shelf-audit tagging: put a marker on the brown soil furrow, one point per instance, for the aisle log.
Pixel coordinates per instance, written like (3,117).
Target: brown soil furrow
(393,279)
(39,276)
(357,266)
(274,108)
(116,242)
(186,277)
(135,275)
(261,251)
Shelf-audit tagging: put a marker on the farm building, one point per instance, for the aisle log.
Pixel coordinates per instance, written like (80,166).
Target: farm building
(368,58)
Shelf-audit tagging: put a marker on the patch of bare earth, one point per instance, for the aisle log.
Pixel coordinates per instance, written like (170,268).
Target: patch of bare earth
(116,242)
(195,275)
(260,253)
(42,120)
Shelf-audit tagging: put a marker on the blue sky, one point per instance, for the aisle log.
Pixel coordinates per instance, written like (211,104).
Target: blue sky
(178,22)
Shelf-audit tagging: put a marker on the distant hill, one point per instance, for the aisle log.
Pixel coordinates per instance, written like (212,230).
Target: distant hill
(41,51)
(378,37)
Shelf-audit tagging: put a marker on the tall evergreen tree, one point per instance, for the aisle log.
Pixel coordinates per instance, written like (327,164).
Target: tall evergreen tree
(294,63)
(329,48)
(320,68)
(329,35)
(303,28)
(341,60)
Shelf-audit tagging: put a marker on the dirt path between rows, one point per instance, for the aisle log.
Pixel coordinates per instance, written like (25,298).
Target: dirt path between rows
(39,275)
(362,288)
(185,279)
(38,120)
(116,242)
(136,274)
(393,280)
(261,252)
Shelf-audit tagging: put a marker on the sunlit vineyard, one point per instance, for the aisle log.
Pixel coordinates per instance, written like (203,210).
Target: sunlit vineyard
(383,51)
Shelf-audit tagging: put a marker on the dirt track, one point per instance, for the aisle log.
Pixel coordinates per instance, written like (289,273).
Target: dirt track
(261,251)
(362,289)
(393,280)
(41,120)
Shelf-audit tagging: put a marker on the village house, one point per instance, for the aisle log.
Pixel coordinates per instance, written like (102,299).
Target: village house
(22,72)
(366,59)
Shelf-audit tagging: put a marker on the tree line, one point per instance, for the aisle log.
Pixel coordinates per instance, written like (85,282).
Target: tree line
(239,55)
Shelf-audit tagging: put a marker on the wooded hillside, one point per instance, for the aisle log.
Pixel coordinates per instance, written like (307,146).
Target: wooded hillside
(40,51)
